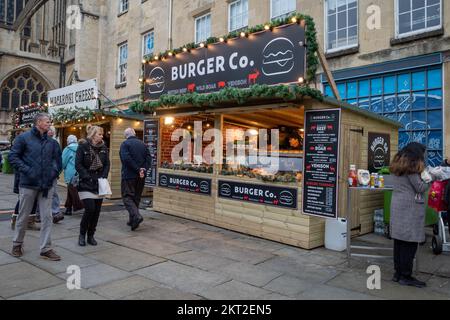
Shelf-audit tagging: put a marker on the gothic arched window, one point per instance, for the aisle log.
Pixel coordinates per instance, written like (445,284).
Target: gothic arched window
(10,10)
(22,88)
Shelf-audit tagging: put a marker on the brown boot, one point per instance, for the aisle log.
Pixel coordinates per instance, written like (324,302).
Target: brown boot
(50,255)
(17,251)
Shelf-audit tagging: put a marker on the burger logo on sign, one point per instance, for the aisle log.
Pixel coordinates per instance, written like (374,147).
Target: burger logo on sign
(286,198)
(163,181)
(156,80)
(278,57)
(225,190)
(204,186)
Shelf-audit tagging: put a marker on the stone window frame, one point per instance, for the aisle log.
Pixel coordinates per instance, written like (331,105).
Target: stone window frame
(144,34)
(121,64)
(344,48)
(11,84)
(124,5)
(282,14)
(199,18)
(244,15)
(409,34)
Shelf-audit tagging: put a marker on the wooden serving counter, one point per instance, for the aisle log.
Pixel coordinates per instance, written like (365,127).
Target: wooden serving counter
(267,221)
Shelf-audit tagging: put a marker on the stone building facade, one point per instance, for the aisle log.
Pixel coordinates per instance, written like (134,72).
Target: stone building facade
(388,56)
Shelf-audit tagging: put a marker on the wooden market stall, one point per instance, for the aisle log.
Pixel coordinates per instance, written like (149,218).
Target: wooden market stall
(113,124)
(245,85)
(287,224)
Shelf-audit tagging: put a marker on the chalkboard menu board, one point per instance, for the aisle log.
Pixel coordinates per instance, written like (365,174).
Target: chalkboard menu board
(282,197)
(321,163)
(185,183)
(151,133)
(27,115)
(379,152)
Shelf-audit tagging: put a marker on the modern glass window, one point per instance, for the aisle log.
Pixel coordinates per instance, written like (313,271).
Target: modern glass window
(148,43)
(238,13)
(280,9)
(123,6)
(341,23)
(122,67)
(202,28)
(417,16)
(414,98)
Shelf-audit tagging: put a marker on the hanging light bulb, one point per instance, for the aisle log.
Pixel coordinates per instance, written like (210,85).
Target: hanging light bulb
(267,27)
(294,20)
(170,54)
(243,34)
(221,39)
(185,49)
(301,80)
(202,45)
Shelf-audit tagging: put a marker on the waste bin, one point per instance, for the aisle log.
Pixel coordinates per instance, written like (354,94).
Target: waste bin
(431,216)
(6,167)
(336,234)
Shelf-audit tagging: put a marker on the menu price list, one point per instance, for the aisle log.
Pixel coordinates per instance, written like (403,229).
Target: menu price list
(151,133)
(321,162)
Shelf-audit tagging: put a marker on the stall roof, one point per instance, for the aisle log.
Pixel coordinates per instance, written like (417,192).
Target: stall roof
(126,115)
(268,103)
(369,114)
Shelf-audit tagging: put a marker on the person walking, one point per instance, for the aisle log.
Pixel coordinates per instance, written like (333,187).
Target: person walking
(91,163)
(407,223)
(73,201)
(56,212)
(38,161)
(135,158)
(446,216)
(31,219)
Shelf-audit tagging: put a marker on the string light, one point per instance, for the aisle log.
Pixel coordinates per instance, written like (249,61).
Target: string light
(267,27)
(202,45)
(222,39)
(156,57)
(103,117)
(140,79)
(143,61)
(294,20)
(243,34)
(185,49)
(301,80)
(170,54)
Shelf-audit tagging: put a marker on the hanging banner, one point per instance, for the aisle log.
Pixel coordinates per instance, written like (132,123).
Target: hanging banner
(267,57)
(151,137)
(321,154)
(277,196)
(80,95)
(379,153)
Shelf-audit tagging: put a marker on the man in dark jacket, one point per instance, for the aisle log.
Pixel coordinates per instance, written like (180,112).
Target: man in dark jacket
(447,195)
(38,161)
(135,159)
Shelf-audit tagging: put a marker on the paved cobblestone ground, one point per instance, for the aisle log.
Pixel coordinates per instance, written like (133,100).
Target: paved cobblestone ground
(174,258)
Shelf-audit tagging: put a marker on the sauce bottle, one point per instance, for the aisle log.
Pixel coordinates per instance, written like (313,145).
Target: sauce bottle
(352,177)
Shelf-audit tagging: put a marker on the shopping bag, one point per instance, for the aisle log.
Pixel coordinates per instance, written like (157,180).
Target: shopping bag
(436,196)
(104,189)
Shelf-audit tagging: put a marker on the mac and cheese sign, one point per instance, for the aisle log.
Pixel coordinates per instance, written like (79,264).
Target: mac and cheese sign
(268,57)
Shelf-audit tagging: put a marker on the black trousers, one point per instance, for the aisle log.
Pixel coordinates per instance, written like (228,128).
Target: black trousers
(404,253)
(73,199)
(131,196)
(92,208)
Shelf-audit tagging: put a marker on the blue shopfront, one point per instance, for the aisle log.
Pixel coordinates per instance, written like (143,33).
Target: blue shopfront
(408,90)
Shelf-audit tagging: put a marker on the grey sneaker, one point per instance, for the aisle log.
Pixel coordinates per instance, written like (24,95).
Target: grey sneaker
(50,255)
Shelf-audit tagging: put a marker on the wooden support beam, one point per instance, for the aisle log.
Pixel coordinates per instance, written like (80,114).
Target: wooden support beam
(329,74)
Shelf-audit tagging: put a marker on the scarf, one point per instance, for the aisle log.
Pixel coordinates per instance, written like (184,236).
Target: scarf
(94,150)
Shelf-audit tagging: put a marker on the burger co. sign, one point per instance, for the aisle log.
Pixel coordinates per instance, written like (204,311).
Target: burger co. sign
(268,57)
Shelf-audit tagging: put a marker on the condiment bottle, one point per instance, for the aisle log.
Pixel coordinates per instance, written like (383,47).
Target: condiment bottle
(352,177)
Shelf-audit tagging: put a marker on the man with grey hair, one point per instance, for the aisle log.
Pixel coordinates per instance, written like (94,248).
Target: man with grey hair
(38,160)
(135,158)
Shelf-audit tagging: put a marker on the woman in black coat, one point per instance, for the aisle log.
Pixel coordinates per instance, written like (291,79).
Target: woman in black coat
(91,163)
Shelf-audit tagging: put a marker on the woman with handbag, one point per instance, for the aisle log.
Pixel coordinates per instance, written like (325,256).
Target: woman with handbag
(92,164)
(407,225)
(68,161)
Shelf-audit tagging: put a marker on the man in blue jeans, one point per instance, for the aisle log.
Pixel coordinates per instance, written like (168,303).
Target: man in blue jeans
(56,213)
(38,160)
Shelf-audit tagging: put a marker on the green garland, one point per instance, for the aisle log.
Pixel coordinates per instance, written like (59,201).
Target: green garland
(241,96)
(64,115)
